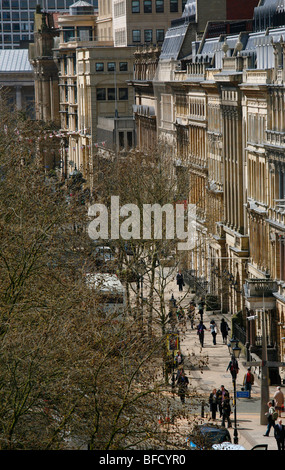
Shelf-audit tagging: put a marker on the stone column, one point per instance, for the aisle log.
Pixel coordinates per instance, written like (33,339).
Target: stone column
(19,98)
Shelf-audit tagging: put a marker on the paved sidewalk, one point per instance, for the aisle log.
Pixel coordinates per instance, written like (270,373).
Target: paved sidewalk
(214,374)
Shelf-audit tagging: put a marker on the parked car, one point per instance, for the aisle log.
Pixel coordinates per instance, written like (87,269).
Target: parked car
(104,258)
(228,446)
(204,436)
(109,293)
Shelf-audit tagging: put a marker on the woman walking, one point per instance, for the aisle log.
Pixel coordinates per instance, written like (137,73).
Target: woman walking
(213,328)
(213,401)
(200,332)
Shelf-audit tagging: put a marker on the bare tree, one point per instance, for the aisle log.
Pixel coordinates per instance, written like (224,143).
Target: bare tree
(71,375)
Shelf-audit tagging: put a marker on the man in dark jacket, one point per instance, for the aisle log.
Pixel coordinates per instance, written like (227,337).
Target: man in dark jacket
(279,434)
(180,280)
(182,383)
(226,411)
(200,332)
(224,327)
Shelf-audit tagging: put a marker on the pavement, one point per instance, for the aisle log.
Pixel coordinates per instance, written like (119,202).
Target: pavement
(214,374)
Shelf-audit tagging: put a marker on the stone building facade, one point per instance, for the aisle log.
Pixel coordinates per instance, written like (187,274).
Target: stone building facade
(221,107)
(95,100)
(214,92)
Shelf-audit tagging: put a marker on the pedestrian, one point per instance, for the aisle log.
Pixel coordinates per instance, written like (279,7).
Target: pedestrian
(224,327)
(233,367)
(191,313)
(279,434)
(248,381)
(226,411)
(213,401)
(178,360)
(201,309)
(180,369)
(279,400)
(181,318)
(213,328)
(180,280)
(221,393)
(271,415)
(200,332)
(182,383)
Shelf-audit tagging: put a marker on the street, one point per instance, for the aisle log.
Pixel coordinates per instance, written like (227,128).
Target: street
(214,374)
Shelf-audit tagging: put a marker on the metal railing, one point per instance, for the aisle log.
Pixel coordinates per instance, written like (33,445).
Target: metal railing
(239,333)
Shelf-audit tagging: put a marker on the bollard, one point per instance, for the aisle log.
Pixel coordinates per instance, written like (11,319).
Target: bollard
(202,409)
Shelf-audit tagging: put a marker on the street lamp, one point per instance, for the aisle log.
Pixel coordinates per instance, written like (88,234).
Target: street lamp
(235,351)
(232,345)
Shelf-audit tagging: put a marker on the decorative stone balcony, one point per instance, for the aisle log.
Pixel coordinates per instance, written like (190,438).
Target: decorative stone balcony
(260,287)
(274,138)
(196,71)
(258,77)
(276,216)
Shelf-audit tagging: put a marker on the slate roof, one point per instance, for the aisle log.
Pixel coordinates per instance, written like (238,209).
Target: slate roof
(174,41)
(15,60)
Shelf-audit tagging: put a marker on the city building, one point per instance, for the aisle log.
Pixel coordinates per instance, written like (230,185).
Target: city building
(105,20)
(212,89)
(95,100)
(17,19)
(219,103)
(41,56)
(143,21)
(17,81)
(89,98)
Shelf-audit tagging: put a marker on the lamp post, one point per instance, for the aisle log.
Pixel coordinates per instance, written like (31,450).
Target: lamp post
(264,372)
(234,350)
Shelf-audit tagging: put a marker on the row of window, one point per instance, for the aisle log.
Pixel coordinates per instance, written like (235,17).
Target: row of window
(110,94)
(25,4)
(15,38)
(157,6)
(15,15)
(148,35)
(111,66)
(82,33)
(15,27)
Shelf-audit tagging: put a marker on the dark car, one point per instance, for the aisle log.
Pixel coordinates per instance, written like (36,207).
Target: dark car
(204,436)
(104,258)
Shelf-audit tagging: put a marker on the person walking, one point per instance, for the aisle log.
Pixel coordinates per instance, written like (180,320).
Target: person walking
(233,368)
(279,401)
(224,327)
(221,393)
(181,319)
(271,417)
(180,369)
(279,434)
(213,328)
(248,381)
(213,402)
(200,332)
(226,411)
(178,360)
(201,309)
(182,383)
(180,280)
(191,313)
